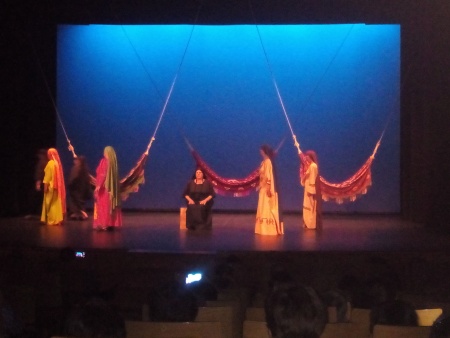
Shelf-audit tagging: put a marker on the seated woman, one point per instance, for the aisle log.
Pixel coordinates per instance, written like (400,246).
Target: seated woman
(199,194)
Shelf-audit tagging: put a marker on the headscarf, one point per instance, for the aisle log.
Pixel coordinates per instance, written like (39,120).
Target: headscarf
(112,177)
(58,175)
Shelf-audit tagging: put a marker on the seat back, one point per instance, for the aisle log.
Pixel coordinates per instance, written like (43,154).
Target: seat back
(426,317)
(238,314)
(257,314)
(222,314)
(255,329)
(394,331)
(361,320)
(137,329)
(333,314)
(341,330)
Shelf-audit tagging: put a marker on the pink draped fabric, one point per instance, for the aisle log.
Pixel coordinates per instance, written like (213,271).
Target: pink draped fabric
(349,189)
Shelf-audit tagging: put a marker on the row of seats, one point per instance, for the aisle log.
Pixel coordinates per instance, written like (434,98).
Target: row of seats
(255,329)
(233,323)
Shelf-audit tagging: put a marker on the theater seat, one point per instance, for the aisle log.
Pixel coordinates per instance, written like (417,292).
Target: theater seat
(169,330)
(393,331)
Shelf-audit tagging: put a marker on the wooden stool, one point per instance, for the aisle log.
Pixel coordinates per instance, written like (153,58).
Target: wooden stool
(183,218)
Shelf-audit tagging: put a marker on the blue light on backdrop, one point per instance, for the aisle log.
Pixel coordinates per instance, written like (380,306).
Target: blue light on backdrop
(340,85)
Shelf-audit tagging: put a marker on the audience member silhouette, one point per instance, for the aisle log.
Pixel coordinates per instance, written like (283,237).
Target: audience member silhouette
(293,310)
(339,300)
(396,312)
(172,302)
(95,319)
(441,327)
(379,283)
(10,324)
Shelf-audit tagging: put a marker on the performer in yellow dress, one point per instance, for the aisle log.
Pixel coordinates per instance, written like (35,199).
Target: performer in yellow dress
(54,204)
(267,214)
(312,197)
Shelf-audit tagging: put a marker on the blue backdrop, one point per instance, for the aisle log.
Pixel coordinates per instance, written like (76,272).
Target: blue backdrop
(340,85)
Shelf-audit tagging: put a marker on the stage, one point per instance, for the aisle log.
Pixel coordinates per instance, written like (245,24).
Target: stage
(159,232)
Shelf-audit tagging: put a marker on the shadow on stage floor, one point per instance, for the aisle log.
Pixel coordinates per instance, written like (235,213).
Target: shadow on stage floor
(160,232)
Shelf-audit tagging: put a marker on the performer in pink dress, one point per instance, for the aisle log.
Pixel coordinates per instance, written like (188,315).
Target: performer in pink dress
(107,208)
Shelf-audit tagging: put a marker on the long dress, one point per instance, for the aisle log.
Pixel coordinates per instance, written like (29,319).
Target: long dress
(267,214)
(104,215)
(310,200)
(80,191)
(199,216)
(53,204)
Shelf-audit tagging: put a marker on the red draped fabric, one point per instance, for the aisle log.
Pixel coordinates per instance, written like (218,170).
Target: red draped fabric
(135,177)
(228,186)
(131,182)
(347,190)
(339,192)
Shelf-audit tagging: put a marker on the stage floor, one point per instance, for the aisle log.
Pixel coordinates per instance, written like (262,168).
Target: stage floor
(160,232)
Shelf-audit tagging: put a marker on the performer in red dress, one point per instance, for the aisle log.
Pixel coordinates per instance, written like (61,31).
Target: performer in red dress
(107,208)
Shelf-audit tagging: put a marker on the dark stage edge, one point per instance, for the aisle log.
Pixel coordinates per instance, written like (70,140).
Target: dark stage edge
(159,232)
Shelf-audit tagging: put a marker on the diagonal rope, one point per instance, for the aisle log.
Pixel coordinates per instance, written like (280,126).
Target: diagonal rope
(47,86)
(166,101)
(142,62)
(327,68)
(388,120)
(274,80)
(170,92)
(58,115)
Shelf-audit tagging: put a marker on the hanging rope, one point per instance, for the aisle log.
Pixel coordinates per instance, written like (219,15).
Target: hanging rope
(275,82)
(41,70)
(170,91)
(358,183)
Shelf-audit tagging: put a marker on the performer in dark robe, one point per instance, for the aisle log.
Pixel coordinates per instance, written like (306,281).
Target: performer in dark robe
(80,188)
(199,194)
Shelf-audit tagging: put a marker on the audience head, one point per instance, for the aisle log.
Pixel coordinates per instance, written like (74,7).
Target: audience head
(95,319)
(366,293)
(204,289)
(293,310)
(172,302)
(441,327)
(339,300)
(396,312)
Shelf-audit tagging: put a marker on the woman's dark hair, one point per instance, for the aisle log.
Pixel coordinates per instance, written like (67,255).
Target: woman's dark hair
(268,151)
(203,172)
